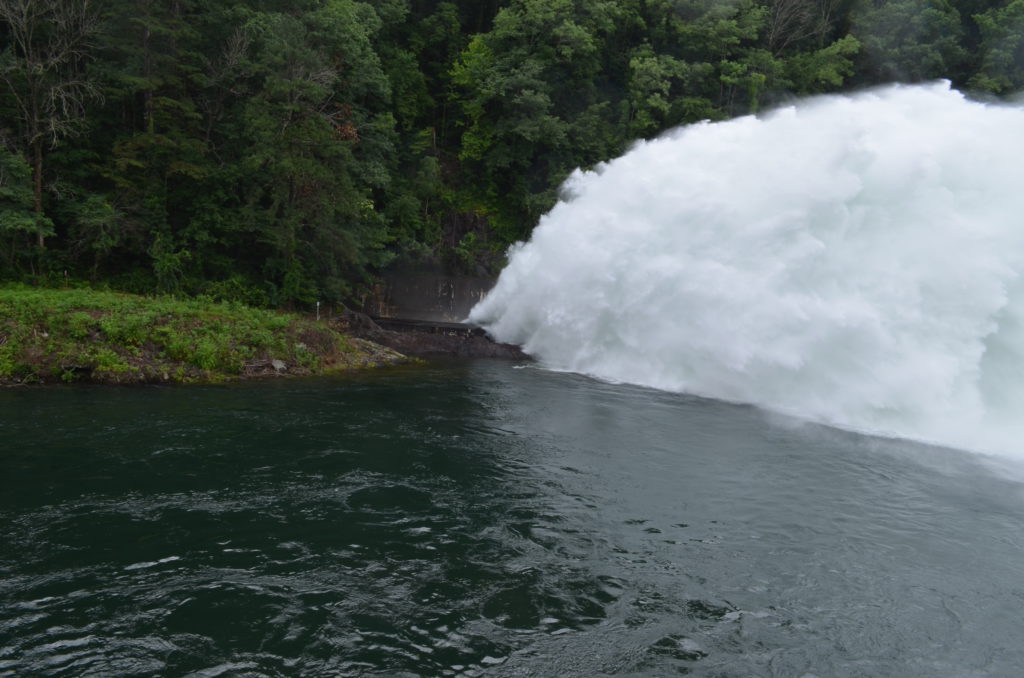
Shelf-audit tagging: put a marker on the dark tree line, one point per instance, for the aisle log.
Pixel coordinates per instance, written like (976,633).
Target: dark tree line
(282,151)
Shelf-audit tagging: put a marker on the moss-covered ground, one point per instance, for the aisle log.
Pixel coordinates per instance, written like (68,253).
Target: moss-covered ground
(87,335)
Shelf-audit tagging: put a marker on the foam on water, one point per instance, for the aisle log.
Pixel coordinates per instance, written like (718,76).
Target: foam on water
(854,260)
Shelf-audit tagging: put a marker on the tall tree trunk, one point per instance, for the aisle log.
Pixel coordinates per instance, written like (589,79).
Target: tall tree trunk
(37,170)
(147,72)
(47,43)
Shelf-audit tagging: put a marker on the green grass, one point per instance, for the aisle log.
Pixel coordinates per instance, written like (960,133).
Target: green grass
(85,335)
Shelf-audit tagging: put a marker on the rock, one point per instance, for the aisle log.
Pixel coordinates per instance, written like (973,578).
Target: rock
(357,323)
(422,343)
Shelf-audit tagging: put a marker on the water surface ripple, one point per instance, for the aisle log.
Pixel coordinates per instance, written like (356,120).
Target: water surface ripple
(477,519)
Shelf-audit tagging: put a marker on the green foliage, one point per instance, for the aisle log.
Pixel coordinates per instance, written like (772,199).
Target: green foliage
(652,79)
(238,290)
(909,40)
(15,195)
(824,69)
(71,335)
(1002,49)
(523,88)
(44,53)
(280,152)
(20,225)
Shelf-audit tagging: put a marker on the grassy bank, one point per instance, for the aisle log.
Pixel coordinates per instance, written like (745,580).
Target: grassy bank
(86,335)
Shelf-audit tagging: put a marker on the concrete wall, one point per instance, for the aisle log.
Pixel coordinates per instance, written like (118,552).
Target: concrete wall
(426,296)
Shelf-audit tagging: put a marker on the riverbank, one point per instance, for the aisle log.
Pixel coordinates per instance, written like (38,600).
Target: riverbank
(53,336)
(425,339)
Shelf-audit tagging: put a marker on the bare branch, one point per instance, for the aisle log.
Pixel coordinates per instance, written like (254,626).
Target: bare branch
(791,21)
(44,68)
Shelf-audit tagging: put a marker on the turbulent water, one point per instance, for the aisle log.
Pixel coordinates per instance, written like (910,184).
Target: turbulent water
(478,520)
(851,260)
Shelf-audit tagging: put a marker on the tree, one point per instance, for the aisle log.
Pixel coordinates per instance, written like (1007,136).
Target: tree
(822,70)
(908,40)
(1002,49)
(793,21)
(44,67)
(293,147)
(156,160)
(16,214)
(315,136)
(526,88)
(658,84)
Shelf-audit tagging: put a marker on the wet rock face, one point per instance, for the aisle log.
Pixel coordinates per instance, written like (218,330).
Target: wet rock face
(424,339)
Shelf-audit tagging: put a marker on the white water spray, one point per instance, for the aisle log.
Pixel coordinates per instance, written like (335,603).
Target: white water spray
(851,260)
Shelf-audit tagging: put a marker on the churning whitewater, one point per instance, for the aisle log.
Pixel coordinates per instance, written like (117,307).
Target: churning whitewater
(853,260)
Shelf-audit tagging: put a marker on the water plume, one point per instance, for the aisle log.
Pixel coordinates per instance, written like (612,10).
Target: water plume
(853,260)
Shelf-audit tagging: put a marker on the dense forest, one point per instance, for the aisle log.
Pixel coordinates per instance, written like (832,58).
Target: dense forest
(277,152)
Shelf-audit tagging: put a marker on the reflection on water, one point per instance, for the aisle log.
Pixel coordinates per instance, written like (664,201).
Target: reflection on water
(476,519)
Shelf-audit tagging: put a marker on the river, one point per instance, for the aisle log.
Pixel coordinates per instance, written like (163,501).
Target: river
(489,519)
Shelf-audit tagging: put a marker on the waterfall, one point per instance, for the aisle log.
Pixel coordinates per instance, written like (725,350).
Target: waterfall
(852,260)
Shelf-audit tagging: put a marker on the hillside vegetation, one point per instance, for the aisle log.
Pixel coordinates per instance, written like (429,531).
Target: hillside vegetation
(279,152)
(84,335)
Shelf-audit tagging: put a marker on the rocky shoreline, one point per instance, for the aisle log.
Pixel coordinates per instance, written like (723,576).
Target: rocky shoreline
(427,340)
(90,336)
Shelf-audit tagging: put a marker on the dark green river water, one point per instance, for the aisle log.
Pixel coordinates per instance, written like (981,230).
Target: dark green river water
(476,519)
